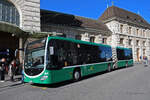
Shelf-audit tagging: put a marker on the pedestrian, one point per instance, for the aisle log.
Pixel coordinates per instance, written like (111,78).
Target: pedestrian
(146,61)
(17,67)
(2,69)
(141,59)
(12,70)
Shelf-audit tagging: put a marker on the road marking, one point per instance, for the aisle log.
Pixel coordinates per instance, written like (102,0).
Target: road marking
(34,86)
(44,88)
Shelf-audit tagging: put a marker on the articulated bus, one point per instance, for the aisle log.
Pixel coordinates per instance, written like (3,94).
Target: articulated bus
(58,59)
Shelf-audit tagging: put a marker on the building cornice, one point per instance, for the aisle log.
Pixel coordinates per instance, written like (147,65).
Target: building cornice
(135,36)
(88,30)
(126,21)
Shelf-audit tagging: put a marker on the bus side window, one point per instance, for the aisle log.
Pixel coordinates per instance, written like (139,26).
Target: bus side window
(72,54)
(57,59)
(83,56)
(120,54)
(108,54)
(60,53)
(128,54)
(52,59)
(102,55)
(95,54)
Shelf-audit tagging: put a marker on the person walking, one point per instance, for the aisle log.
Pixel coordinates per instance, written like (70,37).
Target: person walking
(12,70)
(146,59)
(2,69)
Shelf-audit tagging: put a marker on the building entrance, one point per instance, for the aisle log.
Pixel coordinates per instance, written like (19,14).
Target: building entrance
(8,45)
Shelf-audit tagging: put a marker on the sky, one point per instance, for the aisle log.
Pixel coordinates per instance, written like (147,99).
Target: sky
(94,8)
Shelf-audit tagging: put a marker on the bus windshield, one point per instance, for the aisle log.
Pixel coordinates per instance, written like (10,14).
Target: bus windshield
(34,57)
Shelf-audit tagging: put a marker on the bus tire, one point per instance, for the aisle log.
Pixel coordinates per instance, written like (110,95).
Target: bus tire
(109,68)
(77,75)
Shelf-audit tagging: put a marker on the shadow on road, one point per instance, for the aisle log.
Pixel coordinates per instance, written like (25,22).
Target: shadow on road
(64,83)
(68,82)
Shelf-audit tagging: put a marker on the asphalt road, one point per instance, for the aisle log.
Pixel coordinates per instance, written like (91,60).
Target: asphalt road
(131,83)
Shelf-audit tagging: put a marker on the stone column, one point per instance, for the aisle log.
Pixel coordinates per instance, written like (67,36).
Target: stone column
(141,51)
(140,32)
(114,44)
(133,31)
(125,29)
(126,42)
(21,50)
(115,40)
(134,49)
(147,53)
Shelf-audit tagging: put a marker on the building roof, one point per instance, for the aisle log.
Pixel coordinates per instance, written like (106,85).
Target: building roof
(114,12)
(57,18)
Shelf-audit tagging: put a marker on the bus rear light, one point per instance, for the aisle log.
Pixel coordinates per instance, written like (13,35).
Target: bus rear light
(43,78)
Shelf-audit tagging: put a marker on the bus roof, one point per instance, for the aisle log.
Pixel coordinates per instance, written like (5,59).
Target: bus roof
(77,41)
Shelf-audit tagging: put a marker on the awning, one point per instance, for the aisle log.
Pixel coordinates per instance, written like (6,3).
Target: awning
(13,29)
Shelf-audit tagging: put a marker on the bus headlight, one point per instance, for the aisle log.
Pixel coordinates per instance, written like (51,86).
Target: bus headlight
(43,78)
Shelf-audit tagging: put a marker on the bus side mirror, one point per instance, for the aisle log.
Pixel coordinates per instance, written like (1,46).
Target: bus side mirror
(51,50)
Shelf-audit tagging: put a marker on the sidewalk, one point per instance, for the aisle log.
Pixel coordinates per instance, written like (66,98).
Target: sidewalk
(8,83)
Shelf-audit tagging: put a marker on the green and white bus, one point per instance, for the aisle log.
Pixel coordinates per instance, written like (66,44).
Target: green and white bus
(58,59)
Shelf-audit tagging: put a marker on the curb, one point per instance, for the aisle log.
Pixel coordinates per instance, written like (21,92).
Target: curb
(8,83)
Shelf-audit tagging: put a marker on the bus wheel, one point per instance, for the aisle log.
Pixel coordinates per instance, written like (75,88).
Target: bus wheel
(109,67)
(77,75)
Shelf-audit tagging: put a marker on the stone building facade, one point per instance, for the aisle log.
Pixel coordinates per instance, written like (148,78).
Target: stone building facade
(128,30)
(17,18)
(119,28)
(29,11)
(72,26)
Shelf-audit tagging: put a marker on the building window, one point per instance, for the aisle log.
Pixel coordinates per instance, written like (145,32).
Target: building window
(143,43)
(142,21)
(137,42)
(9,13)
(143,33)
(121,28)
(92,39)
(130,42)
(121,40)
(104,40)
(128,17)
(137,32)
(143,52)
(130,30)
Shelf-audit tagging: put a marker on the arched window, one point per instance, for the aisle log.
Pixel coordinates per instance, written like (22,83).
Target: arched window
(9,13)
